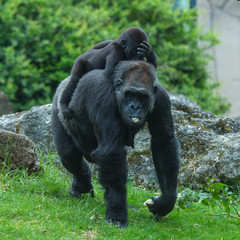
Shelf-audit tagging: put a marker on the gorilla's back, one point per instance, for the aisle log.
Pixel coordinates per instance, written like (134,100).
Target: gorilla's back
(94,92)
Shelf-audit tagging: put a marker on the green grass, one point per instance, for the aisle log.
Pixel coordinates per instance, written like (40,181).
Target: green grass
(40,207)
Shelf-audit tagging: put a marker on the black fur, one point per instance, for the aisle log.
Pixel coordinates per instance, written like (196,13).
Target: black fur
(131,44)
(108,113)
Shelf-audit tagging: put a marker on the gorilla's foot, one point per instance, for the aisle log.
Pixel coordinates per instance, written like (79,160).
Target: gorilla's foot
(118,222)
(81,186)
(118,217)
(76,192)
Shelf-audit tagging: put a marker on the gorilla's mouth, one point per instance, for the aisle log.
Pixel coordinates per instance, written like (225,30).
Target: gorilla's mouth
(135,119)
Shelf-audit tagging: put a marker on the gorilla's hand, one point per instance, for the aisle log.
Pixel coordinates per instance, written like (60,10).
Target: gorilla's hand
(145,51)
(162,205)
(67,112)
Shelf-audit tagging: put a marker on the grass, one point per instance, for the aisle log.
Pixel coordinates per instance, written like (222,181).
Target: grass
(40,207)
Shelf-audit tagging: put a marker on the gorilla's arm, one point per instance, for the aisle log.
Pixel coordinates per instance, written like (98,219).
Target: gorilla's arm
(110,154)
(165,153)
(116,54)
(102,44)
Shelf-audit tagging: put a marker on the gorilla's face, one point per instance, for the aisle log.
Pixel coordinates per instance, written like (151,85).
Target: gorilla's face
(135,92)
(135,106)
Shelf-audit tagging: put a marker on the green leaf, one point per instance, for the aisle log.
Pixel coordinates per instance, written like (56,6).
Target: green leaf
(215,196)
(205,203)
(226,205)
(203,195)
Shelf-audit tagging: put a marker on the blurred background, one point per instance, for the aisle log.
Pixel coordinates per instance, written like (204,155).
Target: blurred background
(223,16)
(197,43)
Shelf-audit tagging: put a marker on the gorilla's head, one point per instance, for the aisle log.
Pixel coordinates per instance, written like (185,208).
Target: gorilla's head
(135,89)
(130,39)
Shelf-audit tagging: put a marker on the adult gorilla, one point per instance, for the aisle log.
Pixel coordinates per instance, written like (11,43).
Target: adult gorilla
(108,114)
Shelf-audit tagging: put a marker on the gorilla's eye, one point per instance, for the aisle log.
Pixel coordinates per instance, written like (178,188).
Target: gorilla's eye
(123,43)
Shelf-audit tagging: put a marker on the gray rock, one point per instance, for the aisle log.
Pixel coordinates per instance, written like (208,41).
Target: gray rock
(210,148)
(184,100)
(210,145)
(17,152)
(35,124)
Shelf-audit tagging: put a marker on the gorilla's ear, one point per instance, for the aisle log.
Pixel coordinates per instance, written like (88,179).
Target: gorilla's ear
(123,44)
(118,82)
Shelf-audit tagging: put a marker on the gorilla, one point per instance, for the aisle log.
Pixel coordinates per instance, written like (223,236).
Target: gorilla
(131,44)
(108,112)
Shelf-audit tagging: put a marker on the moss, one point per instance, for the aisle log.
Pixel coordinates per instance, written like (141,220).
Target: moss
(181,116)
(204,127)
(194,122)
(228,128)
(220,154)
(18,126)
(135,155)
(4,149)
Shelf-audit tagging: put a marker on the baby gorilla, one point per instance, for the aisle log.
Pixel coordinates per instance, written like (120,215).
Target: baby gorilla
(108,112)
(131,44)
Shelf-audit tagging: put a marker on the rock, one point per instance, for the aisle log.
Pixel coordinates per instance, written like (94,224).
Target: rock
(17,151)
(210,145)
(141,170)
(210,148)
(35,124)
(5,104)
(184,100)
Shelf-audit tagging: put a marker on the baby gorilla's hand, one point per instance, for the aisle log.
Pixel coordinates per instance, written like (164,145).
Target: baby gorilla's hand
(145,51)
